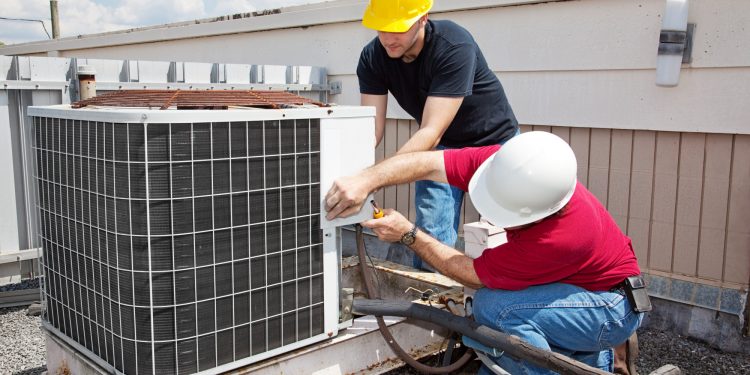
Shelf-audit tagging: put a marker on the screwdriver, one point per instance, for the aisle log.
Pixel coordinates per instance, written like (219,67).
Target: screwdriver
(377,213)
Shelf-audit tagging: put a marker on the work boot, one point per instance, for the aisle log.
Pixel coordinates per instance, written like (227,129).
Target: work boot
(625,355)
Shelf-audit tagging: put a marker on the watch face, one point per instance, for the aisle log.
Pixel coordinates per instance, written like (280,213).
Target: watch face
(408,238)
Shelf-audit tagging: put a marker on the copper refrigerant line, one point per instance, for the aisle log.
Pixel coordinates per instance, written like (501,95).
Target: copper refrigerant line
(198,99)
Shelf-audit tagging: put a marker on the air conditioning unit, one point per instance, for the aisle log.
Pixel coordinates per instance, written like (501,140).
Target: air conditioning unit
(184,241)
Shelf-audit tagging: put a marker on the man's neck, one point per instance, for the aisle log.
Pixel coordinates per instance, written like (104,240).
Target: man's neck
(412,53)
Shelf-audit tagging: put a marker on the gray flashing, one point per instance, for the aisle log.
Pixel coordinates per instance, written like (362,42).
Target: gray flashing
(727,300)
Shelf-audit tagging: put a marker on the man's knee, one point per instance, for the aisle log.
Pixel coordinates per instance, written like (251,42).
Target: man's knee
(487,305)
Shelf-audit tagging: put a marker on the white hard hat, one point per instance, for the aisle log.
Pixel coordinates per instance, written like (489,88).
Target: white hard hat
(531,177)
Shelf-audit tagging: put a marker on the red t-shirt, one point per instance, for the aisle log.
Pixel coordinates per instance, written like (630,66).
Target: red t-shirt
(583,246)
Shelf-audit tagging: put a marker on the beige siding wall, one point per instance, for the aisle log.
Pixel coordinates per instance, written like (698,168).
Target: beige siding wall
(683,198)
(671,164)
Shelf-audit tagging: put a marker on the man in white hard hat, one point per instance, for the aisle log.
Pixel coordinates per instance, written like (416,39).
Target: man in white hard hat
(567,278)
(438,75)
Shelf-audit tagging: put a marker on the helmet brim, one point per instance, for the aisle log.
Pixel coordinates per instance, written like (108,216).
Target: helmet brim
(490,210)
(389,26)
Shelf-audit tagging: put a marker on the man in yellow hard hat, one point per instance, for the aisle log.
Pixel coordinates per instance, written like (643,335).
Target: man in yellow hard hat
(437,73)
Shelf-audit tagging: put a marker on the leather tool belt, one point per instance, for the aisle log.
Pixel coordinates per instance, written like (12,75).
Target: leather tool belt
(634,289)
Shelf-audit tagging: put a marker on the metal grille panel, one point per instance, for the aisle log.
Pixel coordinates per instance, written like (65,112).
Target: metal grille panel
(176,248)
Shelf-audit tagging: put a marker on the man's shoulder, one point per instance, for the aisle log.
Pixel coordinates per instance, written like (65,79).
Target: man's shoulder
(451,32)
(446,25)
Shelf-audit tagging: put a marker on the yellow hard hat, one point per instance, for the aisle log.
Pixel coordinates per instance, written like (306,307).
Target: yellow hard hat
(394,16)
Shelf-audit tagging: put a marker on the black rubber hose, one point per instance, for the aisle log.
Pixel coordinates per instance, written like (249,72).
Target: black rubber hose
(448,355)
(373,293)
(512,345)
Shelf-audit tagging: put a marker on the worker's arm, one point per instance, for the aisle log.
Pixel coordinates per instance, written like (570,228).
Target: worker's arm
(380,102)
(348,194)
(437,115)
(445,259)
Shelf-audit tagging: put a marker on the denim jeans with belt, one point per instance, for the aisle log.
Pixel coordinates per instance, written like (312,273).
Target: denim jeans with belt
(564,318)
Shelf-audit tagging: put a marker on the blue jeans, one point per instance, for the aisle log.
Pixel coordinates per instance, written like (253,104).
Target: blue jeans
(432,201)
(564,318)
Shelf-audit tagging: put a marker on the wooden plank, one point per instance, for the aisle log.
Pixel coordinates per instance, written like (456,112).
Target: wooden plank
(641,190)
(618,193)
(403,132)
(689,191)
(542,128)
(562,132)
(599,163)
(391,146)
(380,156)
(738,231)
(715,205)
(661,243)
(414,126)
(579,141)
(525,128)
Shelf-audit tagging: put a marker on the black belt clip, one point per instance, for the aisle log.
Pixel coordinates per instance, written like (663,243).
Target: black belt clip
(635,290)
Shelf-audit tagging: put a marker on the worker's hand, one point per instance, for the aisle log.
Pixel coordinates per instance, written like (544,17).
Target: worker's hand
(390,227)
(346,197)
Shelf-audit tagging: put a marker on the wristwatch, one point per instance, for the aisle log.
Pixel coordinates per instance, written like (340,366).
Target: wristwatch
(409,237)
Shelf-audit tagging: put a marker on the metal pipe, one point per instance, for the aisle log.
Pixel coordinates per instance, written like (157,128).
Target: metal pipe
(86,82)
(55,19)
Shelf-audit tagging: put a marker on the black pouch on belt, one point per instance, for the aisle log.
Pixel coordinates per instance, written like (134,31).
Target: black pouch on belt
(635,291)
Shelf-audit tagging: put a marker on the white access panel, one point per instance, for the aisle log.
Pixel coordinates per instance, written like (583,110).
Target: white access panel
(341,144)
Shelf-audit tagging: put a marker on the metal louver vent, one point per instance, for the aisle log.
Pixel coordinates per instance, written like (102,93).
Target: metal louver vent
(198,99)
(183,247)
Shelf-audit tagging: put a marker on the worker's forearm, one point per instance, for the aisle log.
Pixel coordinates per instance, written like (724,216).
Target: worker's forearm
(406,168)
(437,116)
(423,140)
(447,260)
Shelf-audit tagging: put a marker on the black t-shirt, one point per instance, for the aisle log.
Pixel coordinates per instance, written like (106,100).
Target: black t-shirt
(449,65)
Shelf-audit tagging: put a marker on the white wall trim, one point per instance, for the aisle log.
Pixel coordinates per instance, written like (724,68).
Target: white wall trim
(299,16)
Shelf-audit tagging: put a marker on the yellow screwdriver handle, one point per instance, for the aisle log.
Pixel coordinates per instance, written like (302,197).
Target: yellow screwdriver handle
(377,213)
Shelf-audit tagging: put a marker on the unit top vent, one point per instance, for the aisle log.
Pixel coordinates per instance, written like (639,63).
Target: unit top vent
(145,115)
(198,99)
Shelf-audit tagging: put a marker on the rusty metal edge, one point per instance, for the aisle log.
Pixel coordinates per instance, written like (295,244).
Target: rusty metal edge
(401,270)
